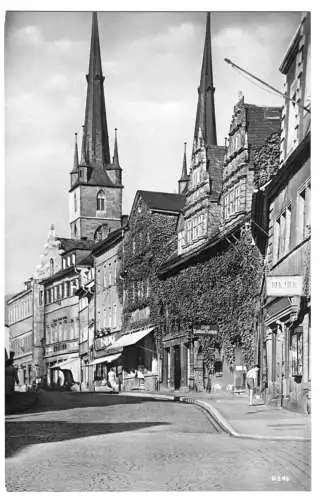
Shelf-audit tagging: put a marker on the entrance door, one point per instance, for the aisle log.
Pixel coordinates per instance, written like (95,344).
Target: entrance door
(177,368)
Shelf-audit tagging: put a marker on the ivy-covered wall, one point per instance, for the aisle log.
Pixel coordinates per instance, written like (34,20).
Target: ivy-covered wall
(149,236)
(222,292)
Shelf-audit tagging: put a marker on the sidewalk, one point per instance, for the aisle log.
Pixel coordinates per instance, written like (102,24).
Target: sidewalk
(234,416)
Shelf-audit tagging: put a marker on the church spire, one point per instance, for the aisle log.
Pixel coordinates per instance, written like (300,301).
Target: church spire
(184,173)
(76,156)
(205,127)
(183,181)
(115,160)
(95,144)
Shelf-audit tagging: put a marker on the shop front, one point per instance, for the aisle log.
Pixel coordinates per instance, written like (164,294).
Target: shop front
(107,372)
(63,371)
(185,364)
(140,360)
(285,353)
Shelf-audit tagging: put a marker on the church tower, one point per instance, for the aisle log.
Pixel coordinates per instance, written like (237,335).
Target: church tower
(95,195)
(201,215)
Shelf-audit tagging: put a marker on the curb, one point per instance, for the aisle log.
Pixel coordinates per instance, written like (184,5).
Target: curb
(216,416)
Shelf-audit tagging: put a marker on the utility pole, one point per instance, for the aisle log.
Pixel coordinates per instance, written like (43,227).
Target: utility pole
(228,61)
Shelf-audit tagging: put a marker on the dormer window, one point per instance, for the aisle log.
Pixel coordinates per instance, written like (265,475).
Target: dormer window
(100,201)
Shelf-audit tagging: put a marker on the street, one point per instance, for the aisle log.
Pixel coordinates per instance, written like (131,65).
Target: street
(99,442)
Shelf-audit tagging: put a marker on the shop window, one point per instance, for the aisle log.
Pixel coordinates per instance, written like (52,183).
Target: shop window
(296,353)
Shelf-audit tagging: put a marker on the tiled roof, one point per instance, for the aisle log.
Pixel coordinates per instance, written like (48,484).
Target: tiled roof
(87,261)
(68,244)
(169,202)
(215,169)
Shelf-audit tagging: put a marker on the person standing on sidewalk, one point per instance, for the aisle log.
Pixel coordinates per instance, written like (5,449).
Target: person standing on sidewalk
(252,382)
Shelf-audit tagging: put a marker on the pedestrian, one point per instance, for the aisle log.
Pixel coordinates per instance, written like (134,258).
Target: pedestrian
(252,382)
(11,376)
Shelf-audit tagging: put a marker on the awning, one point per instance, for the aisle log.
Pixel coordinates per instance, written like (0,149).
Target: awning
(68,364)
(131,338)
(105,359)
(277,309)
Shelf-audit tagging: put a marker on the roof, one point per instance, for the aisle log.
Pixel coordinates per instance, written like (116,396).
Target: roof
(59,275)
(87,261)
(17,295)
(167,202)
(111,239)
(68,244)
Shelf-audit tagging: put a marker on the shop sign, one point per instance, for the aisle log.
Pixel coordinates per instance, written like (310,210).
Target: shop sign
(204,330)
(104,342)
(280,286)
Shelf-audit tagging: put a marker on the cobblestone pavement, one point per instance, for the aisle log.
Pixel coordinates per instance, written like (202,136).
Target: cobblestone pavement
(98,442)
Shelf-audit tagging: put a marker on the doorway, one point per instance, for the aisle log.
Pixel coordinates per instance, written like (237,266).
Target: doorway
(177,367)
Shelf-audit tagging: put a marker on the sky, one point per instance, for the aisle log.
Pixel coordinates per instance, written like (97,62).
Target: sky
(151,62)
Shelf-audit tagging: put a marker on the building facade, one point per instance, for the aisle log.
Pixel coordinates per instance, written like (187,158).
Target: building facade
(20,322)
(285,296)
(108,309)
(151,227)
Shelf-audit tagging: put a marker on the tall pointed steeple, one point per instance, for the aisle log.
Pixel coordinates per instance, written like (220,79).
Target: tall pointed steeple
(183,181)
(95,194)
(184,173)
(76,156)
(115,160)
(205,127)
(95,142)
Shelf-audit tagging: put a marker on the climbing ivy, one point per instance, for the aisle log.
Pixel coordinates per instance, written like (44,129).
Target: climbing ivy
(222,291)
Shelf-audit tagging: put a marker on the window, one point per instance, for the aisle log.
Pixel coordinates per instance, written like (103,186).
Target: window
(114,315)
(68,261)
(115,271)
(281,235)
(51,267)
(292,119)
(75,231)
(75,202)
(110,275)
(226,206)
(303,213)
(296,352)
(101,201)
(110,318)
(104,276)
(189,229)
(180,241)
(237,199)
(73,258)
